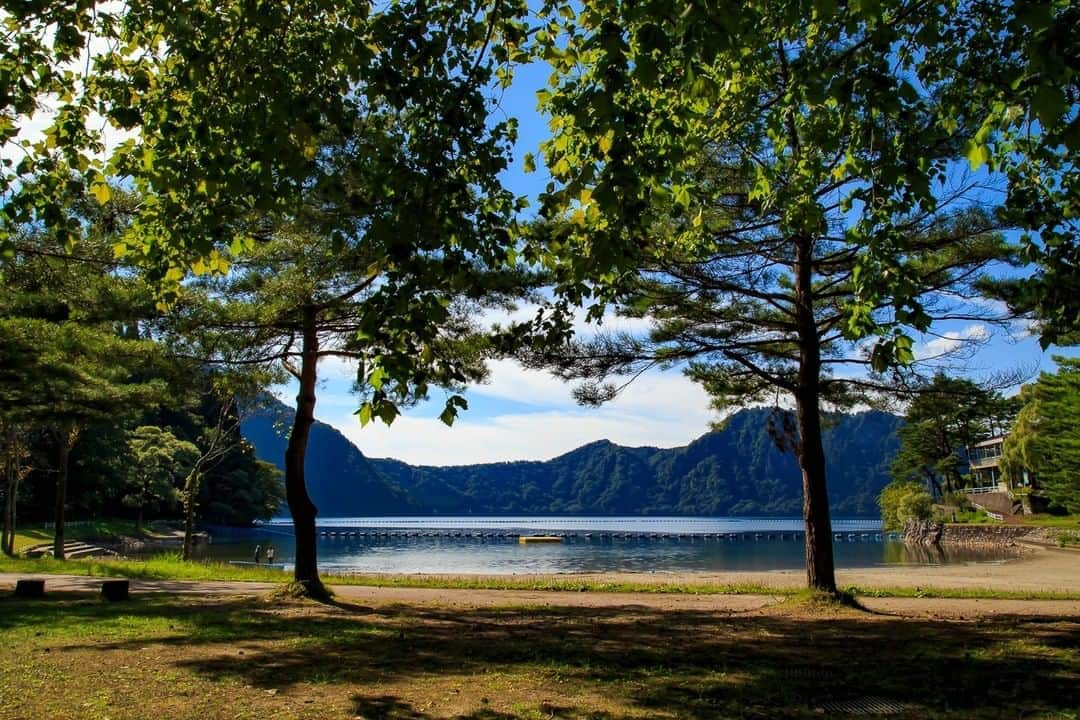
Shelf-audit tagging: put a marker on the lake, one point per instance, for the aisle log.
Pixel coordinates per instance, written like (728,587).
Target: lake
(489,545)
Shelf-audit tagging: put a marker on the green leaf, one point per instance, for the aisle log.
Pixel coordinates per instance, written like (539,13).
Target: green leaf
(904,353)
(682,195)
(978,154)
(387,412)
(1048,104)
(879,357)
(606,141)
(101,192)
(365,414)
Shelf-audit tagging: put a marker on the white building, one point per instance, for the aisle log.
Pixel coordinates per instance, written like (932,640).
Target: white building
(986,475)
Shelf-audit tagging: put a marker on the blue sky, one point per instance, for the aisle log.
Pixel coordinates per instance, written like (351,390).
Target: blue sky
(529,415)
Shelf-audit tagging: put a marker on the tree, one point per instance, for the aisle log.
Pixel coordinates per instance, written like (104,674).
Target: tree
(161,460)
(778,186)
(219,443)
(379,118)
(295,300)
(71,324)
(1013,67)
(66,377)
(14,450)
(227,104)
(901,501)
(944,421)
(241,489)
(1045,441)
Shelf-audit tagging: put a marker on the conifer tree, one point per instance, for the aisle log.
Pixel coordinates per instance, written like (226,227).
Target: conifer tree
(1045,442)
(943,422)
(780,186)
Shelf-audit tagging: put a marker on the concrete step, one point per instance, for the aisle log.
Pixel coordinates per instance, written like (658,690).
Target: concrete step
(72,549)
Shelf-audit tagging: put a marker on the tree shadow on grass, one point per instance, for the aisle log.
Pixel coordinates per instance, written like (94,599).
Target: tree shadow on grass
(683,663)
(391,707)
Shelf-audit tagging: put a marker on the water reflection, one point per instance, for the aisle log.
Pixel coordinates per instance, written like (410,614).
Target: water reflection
(495,555)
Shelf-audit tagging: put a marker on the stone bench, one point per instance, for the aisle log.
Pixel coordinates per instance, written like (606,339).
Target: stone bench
(114,590)
(30,588)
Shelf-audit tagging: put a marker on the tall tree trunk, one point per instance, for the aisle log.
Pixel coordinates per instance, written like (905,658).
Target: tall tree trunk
(190,501)
(820,570)
(300,506)
(935,487)
(6,525)
(13,472)
(820,573)
(213,452)
(65,438)
(11,491)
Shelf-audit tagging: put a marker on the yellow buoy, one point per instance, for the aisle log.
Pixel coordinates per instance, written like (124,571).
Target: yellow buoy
(540,539)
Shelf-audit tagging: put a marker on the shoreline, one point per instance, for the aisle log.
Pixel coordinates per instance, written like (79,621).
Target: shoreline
(1035,569)
(1038,570)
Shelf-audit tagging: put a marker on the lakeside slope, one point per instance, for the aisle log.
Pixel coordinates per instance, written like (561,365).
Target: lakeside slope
(737,471)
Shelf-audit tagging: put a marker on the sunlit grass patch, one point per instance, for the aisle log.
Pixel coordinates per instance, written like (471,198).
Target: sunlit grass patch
(224,657)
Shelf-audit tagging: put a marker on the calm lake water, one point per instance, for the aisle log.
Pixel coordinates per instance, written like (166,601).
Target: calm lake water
(489,545)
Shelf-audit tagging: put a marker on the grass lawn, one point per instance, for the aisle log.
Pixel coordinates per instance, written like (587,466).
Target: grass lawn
(199,658)
(1056,521)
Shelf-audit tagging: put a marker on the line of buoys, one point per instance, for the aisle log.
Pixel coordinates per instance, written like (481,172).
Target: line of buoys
(785,535)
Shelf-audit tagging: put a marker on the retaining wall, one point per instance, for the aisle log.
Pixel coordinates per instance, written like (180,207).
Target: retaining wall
(918,532)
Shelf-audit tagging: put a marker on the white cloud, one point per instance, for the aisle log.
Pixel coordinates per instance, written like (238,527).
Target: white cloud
(510,381)
(337,368)
(582,328)
(662,409)
(952,342)
(531,436)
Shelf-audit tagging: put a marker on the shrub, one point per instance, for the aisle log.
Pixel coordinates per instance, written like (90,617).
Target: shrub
(903,501)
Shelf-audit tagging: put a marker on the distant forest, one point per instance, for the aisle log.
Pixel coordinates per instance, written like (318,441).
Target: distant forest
(736,471)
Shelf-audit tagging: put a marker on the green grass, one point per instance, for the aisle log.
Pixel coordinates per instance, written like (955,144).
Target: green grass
(1070,522)
(171,567)
(168,566)
(208,658)
(960,593)
(976,517)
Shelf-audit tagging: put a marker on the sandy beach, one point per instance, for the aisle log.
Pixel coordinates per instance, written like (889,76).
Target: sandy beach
(1038,570)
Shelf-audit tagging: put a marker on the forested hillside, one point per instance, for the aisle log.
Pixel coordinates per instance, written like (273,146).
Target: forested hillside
(736,471)
(341,481)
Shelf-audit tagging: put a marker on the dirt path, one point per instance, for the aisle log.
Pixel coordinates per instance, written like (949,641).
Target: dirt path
(472,599)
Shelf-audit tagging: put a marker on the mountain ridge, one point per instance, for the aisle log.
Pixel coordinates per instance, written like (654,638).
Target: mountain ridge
(734,471)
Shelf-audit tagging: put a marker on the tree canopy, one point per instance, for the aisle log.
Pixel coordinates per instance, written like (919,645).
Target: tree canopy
(881,93)
(779,187)
(943,422)
(1045,441)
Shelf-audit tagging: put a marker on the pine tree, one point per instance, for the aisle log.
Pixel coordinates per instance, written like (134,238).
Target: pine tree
(1045,441)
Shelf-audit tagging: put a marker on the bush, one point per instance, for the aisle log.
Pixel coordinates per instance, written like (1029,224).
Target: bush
(958,500)
(903,501)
